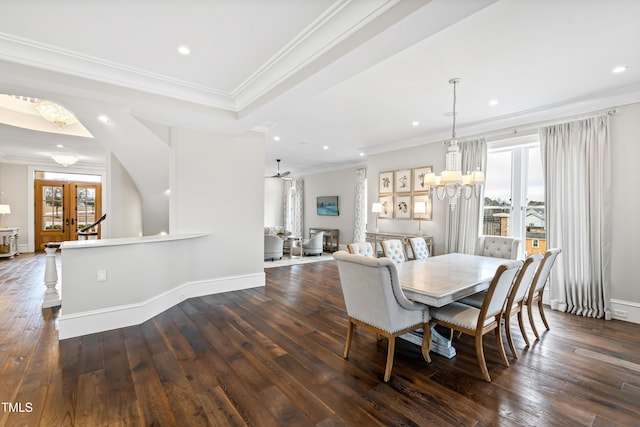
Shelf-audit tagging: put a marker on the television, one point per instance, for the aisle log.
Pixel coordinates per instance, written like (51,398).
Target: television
(327,205)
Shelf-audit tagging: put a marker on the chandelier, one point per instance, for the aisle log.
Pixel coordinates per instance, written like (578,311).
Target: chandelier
(65,159)
(55,113)
(452,183)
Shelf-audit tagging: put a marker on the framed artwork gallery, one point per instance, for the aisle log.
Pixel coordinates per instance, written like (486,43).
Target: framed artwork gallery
(400,190)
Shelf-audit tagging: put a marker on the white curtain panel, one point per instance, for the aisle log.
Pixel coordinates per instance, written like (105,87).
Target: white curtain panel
(288,206)
(577,169)
(294,206)
(360,220)
(464,220)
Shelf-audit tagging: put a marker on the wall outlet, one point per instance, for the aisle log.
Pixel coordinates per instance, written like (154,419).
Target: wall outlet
(102,275)
(620,313)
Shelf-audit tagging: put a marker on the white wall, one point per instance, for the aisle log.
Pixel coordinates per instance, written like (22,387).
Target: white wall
(13,192)
(124,205)
(273,201)
(424,155)
(217,187)
(625,154)
(340,183)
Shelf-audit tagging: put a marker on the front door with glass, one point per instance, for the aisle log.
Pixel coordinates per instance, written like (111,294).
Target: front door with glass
(64,207)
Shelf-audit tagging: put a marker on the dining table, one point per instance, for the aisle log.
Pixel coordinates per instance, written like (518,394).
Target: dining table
(437,281)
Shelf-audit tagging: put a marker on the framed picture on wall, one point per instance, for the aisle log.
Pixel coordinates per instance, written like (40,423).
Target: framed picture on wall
(402,181)
(385,183)
(418,177)
(402,207)
(327,205)
(387,207)
(428,201)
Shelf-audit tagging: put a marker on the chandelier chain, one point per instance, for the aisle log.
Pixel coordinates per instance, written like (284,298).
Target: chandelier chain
(453,130)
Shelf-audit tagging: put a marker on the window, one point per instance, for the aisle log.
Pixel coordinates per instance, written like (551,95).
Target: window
(514,193)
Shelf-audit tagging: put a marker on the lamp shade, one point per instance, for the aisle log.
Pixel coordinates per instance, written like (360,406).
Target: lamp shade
(5,209)
(376,207)
(420,207)
(430,179)
(451,177)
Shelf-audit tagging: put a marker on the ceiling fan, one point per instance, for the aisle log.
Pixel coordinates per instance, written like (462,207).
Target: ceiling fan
(279,174)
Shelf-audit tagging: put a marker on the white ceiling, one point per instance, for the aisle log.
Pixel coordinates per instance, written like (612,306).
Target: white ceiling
(349,74)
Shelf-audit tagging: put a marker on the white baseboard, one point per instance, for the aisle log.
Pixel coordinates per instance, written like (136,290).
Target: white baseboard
(93,321)
(625,310)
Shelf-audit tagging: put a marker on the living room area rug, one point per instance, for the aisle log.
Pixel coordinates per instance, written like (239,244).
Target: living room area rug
(285,261)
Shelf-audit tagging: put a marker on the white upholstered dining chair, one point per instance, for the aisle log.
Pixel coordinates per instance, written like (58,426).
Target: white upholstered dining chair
(537,288)
(419,248)
(361,248)
(498,247)
(394,250)
(375,300)
(479,321)
(515,300)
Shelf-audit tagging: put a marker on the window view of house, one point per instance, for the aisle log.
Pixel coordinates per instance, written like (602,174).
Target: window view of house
(514,195)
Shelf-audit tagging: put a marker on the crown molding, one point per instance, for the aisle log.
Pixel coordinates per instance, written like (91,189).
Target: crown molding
(342,19)
(40,55)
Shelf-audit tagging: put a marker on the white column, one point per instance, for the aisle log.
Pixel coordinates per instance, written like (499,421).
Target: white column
(51,295)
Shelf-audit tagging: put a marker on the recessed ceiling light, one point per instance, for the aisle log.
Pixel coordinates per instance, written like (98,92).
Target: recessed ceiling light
(60,146)
(326,147)
(619,69)
(276,138)
(104,119)
(493,102)
(361,154)
(184,50)
(415,123)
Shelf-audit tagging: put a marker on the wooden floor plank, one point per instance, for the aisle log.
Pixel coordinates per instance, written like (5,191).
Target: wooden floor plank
(273,356)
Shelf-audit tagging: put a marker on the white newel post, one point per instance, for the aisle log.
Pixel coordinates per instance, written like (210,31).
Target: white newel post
(51,295)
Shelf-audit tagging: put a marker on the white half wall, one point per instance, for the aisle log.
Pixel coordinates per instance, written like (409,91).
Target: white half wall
(115,283)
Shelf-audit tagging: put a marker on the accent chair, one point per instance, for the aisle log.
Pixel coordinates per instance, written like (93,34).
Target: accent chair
(272,247)
(314,245)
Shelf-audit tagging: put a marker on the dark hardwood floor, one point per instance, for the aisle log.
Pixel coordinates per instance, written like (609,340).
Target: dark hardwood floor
(273,356)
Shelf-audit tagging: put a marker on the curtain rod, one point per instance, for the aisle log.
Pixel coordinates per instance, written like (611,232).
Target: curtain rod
(532,128)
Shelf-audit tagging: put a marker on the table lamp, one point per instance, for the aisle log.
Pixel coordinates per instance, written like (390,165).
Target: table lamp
(419,208)
(376,208)
(4,210)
